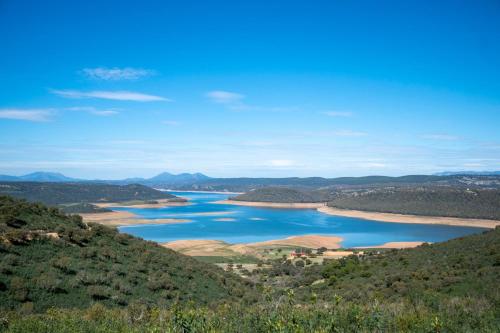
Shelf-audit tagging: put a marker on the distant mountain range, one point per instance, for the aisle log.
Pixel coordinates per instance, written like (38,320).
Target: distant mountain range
(465,173)
(40,176)
(201,182)
(163,178)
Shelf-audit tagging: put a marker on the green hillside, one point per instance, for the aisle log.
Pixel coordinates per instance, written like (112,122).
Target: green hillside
(49,259)
(77,197)
(276,194)
(287,195)
(460,269)
(415,200)
(430,201)
(61,193)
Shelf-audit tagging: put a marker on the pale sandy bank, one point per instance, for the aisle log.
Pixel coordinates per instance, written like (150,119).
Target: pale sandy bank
(297,205)
(393,245)
(309,241)
(208,248)
(159,204)
(220,248)
(117,219)
(336,254)
(401,218)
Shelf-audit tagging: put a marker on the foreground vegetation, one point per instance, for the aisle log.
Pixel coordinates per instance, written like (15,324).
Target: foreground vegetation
(284,315)
(58,274)
(49,259)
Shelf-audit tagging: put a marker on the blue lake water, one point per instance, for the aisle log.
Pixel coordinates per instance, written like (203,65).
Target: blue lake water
(253,224)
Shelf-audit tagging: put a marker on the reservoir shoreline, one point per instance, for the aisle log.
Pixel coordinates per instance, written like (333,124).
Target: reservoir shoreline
(373,216)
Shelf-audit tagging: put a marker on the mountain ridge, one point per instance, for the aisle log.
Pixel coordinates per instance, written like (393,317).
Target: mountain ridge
(199,181)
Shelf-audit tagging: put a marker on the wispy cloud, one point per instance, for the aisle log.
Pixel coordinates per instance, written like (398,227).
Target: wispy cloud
(349,133)
(112,95)
(234,101)
(337,113)
(93,110)
(171,122)
(116,74)
(441,137)
(38,115)
(224,97)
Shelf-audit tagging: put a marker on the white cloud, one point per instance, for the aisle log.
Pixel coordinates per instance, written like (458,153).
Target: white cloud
(116,74)
(234,101)
(349,133)
(337,113)
(104,113)
(442,137)
(281,163)
(26,114)
(97,112)
(171,122)
(112,95)
(224,97)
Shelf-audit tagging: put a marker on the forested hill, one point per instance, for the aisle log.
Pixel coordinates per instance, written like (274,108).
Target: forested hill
(460,270)
(63,193)
(285,195)
(429,201)
(49,260)
(312,183)
(413,200)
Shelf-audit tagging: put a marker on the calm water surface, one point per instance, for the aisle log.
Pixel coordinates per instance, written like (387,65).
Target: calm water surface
(253,224)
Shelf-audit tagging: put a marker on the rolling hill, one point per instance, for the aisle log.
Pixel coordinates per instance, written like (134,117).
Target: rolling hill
(427,201)
(78,197)
(285,195)
(49,259)
(63,193)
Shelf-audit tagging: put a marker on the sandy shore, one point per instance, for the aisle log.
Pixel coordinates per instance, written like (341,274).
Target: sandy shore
(336,254)
(401,218)
(160,204)
(393,245)
(98,217)
(209,248)
(374,216)
(298,205)
(219,248)
(119,219)
(309,241)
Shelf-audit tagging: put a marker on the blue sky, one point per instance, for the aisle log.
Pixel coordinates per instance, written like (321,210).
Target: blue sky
(112,89)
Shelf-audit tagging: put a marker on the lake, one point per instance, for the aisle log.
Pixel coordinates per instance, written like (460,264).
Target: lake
(255,224)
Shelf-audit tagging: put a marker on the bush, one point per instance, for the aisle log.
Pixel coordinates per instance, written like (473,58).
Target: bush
(99,292)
